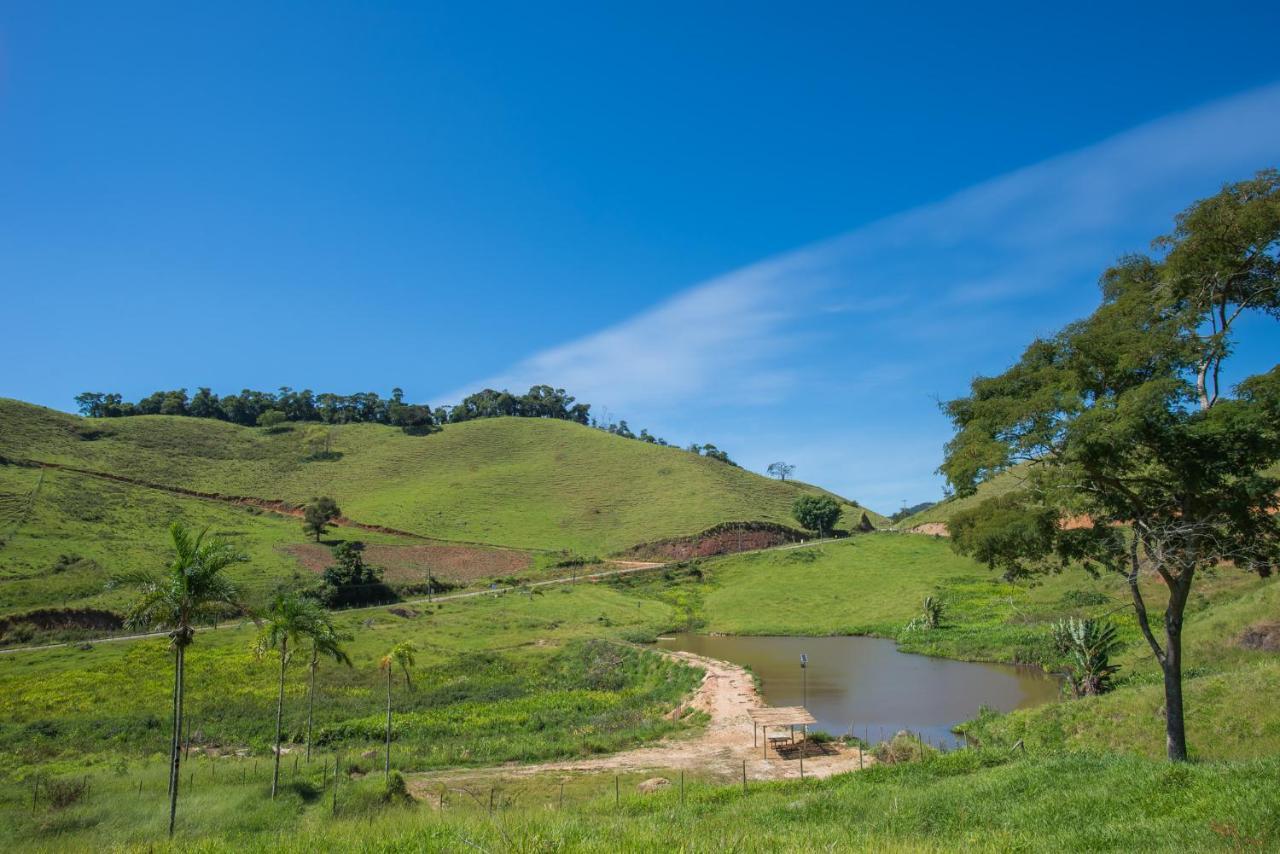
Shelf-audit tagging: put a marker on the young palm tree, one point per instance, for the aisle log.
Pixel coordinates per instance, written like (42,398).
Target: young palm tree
(401,654)
(294,619)
(190,588)
(327,643)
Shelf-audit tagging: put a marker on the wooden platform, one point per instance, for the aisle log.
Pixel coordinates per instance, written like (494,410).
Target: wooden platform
(781,716)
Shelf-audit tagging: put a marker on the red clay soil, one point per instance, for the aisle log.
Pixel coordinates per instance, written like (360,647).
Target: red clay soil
(939,529)
(410,564)
(728,538)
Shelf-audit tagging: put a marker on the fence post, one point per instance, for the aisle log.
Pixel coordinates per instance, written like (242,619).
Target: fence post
(561,805)
(617,791)
(744,776)
(682,788)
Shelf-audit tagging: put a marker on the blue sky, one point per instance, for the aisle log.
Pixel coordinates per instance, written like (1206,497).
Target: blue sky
(784,229)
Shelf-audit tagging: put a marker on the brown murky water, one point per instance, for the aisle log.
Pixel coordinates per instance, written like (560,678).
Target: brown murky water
(866,686)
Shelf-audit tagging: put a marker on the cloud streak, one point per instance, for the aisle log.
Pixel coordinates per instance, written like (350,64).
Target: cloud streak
(1005,259)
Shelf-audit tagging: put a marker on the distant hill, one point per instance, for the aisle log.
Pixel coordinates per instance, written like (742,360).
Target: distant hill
(524,483)
(941,512)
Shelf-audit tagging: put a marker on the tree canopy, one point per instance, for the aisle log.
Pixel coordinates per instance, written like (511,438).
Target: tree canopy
(1139,461)
(816,512)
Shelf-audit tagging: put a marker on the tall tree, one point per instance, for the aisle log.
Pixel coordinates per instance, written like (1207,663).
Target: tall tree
(192,587)
(402,655)
(319,514)
(328,644)
(781,470)
(293,620)
(1127,432)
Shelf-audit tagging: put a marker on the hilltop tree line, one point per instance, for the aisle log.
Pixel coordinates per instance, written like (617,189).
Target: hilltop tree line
(267,409)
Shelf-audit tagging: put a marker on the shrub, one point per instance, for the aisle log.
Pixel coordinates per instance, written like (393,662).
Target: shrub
(903,747)
(1088,645)
(63,793)
(396,791)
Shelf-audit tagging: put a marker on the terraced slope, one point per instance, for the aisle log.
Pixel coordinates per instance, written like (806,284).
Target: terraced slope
(525,483)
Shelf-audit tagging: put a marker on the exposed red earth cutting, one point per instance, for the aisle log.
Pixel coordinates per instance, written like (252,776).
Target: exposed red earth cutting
(410,564)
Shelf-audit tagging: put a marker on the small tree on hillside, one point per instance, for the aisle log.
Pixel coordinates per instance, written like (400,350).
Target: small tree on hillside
(272,420)
(816,513)
(1129,434)
(781,470)
(318,515)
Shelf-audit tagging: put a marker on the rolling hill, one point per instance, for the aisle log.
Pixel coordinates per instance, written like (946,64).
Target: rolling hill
(104,490)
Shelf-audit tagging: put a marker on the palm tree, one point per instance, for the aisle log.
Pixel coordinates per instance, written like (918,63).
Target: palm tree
(295,619)
(325,643)
(401,654)
(191,587)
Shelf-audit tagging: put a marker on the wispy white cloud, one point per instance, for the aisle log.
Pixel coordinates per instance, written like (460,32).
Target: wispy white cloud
(885,301)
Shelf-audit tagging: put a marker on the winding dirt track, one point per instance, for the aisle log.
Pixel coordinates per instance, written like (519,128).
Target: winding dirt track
(726,694)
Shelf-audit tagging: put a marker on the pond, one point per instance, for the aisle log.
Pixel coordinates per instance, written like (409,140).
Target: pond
(867,686)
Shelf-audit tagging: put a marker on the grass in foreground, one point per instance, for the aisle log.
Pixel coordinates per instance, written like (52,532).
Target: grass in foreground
(975,800)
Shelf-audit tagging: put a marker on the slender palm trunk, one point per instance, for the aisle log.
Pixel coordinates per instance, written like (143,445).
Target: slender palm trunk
(177,726)
(275,774)
(177,753)
(387,770)
(311,698)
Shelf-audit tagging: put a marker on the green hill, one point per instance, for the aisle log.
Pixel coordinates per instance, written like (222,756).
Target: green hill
(942,511)
(520,482)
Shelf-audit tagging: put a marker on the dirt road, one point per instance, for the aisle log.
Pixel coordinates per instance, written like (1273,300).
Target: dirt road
(726,694)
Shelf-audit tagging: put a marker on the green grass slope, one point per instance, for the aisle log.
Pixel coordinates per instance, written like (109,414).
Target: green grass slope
(1001,484)
(526,483)
(65,534)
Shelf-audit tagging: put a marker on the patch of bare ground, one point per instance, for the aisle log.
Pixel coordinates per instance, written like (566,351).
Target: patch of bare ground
(726,538)
(935,529)
(410,564)
(726,695)
(1263,637)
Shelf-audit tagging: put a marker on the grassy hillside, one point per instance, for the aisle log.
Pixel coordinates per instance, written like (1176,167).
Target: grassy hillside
(65,534)
(942,511)
(526,483)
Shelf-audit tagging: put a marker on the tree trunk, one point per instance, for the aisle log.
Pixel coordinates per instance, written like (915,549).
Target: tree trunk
(311,700)
(275,774)
(177,725)
(1174,721)
(177,753)
(387,770)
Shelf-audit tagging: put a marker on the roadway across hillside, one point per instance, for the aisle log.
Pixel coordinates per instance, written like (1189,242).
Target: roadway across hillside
(629,567)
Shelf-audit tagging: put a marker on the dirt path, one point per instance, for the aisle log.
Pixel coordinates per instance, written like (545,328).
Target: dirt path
(726,694)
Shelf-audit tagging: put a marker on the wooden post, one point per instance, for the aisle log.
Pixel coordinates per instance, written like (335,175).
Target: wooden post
(491,800)
(561,805)
(754,727)
(35,791)
(744,776)
(617,791)
(803,745)
(682,788)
